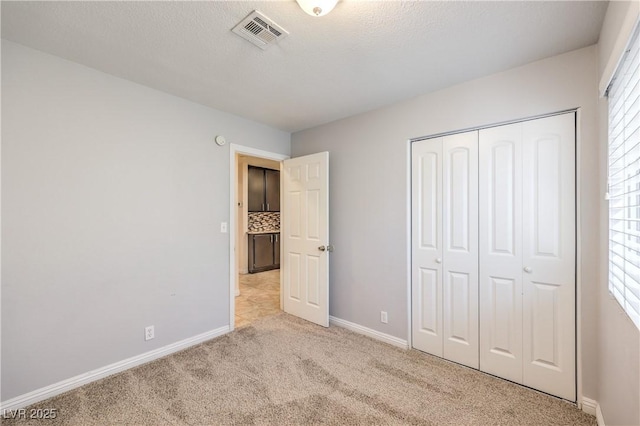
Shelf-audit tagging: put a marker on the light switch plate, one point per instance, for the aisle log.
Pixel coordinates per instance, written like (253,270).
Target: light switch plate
(223,227)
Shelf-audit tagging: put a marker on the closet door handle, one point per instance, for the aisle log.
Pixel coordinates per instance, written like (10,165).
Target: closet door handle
(438,260)
(528,269)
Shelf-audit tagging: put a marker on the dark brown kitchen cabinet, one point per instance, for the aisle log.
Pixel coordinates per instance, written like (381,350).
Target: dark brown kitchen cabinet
(256,189)
(276,250)
(264,190)
(264,252)
(272,190)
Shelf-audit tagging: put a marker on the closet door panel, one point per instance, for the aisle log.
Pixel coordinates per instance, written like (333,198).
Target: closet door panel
(500,216)
(426,261)
(429,311)
(549,255)
(460,248)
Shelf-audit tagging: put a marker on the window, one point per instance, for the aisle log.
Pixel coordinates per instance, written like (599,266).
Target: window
(624,181)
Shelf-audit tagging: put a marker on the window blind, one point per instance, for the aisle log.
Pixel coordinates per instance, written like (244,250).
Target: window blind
(624,181)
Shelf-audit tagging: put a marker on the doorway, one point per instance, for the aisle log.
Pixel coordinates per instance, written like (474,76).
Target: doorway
(258,231)
(259,294)
(304,249)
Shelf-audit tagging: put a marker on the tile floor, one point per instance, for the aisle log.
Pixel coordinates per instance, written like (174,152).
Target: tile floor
(259,297)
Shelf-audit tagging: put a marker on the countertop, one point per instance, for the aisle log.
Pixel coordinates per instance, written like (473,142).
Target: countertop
(275,231)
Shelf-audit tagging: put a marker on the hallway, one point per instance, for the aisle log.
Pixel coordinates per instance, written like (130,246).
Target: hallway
(259,297)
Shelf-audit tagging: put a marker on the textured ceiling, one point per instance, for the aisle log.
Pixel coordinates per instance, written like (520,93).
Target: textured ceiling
(363,55)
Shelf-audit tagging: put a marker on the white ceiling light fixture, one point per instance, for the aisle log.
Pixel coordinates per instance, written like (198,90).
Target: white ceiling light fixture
(317,7)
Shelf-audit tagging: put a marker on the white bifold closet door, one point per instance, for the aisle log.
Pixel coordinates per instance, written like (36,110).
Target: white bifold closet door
(493,251)
(445,247)
(527,253)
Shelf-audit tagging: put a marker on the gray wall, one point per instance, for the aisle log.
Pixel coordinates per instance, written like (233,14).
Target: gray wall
(619,338)
(368,184)
(113,194)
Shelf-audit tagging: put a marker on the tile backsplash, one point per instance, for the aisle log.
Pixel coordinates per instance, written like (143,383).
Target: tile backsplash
(264,221)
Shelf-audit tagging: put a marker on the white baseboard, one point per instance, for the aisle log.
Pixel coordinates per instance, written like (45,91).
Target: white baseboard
(91,376)
(374,334)
(591,406)
(599,417)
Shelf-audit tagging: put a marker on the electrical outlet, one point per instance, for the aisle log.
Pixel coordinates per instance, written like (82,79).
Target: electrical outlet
(223,227)
(149,333)
(383,317)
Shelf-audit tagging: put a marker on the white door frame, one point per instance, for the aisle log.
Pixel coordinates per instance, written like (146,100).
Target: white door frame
(578,188)
(233,213)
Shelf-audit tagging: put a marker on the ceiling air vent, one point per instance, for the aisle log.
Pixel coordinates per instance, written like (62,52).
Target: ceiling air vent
(260,30)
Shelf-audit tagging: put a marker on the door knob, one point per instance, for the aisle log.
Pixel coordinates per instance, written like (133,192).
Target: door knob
(528,269)
(330,248)
(438,260)
(322,248)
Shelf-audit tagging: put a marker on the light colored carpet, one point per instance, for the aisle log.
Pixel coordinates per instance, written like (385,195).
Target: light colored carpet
(281,370)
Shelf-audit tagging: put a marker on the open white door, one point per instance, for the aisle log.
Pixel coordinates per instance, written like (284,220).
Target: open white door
(305,237)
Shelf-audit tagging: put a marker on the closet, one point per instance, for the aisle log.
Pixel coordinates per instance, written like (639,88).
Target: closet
(493,251)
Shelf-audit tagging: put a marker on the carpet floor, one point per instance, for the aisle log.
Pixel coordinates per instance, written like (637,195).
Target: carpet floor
(281,370)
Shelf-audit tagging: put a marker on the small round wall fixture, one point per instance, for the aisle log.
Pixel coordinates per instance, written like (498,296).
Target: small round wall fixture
(220,140)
